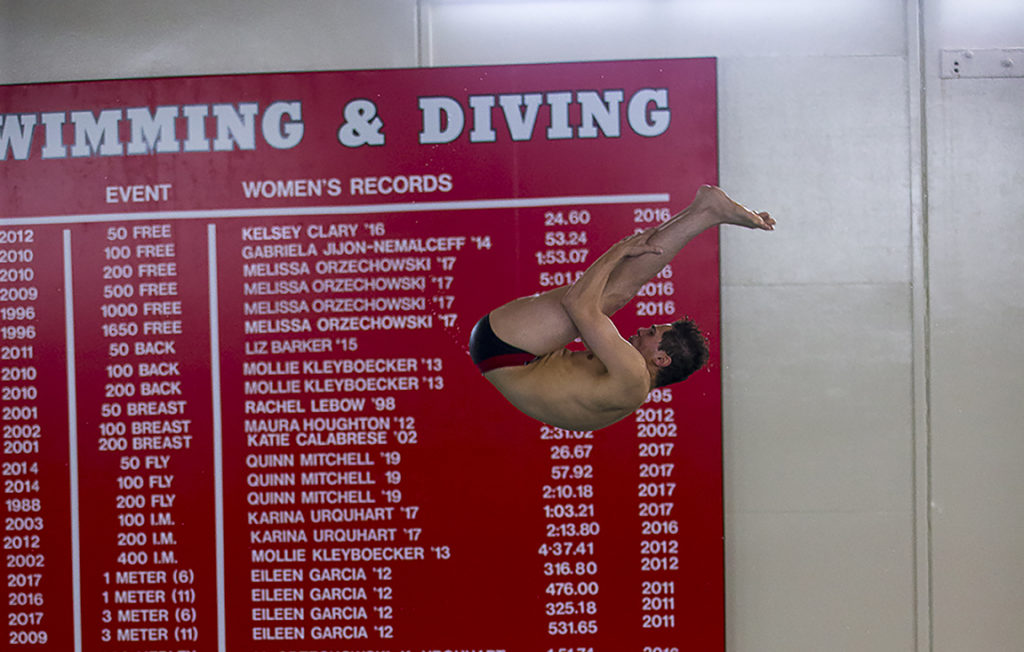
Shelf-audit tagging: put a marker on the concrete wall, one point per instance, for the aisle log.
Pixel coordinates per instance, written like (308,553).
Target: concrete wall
(975,172)
(872,343)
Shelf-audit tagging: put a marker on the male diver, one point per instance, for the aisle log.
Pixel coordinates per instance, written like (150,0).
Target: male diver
(520,346)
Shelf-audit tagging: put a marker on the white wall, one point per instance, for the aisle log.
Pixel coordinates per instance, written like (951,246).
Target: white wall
(63,40)
(872,343)
(975,142)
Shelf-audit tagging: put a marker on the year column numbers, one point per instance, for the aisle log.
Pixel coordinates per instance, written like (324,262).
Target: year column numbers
(655,297)
(24,522)
(656,431)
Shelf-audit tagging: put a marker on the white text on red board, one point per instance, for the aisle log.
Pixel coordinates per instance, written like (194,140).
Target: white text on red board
(224,127)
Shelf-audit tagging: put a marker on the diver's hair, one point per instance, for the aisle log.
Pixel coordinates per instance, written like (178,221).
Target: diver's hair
(687,347)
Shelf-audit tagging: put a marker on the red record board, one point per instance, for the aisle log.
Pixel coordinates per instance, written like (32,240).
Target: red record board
(237,408)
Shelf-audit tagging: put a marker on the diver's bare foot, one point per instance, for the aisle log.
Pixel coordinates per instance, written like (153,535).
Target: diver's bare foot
(714,202)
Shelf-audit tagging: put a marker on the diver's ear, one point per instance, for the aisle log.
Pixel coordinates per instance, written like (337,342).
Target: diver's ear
(661,359)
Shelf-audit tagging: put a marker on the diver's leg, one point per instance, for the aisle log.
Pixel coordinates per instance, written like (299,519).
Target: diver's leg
(539,324)
(536,323)
(709,208)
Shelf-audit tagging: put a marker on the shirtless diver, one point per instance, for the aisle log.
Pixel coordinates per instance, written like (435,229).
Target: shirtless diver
(520,346)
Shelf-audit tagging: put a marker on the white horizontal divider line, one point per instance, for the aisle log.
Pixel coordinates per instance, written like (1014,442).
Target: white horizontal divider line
(360,209)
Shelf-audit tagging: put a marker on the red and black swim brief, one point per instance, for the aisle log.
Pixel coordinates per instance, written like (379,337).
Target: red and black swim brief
(489,351)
